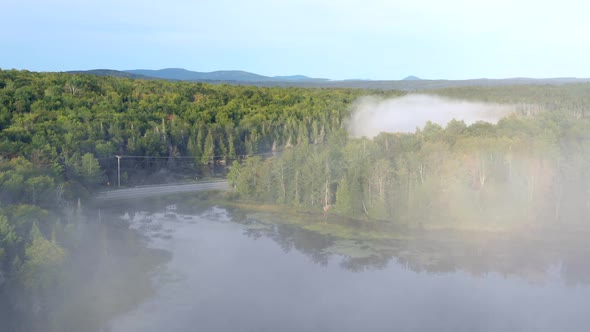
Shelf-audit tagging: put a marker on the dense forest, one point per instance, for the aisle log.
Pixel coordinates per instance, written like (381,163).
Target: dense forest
(60,135)
(532,167)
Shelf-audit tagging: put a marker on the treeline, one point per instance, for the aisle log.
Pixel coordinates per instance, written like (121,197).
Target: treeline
(50,117)
(528,99)
(59,134)
(525,169)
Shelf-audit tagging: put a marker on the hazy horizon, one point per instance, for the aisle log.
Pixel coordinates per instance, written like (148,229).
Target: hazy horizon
(309,76)
(326,39)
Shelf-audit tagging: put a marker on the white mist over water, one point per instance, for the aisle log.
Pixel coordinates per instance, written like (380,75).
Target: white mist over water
(372,115)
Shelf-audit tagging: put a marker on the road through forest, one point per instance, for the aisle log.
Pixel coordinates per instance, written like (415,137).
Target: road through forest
(157,190)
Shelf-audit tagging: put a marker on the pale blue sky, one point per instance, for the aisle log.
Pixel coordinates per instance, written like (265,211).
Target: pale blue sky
(338,39)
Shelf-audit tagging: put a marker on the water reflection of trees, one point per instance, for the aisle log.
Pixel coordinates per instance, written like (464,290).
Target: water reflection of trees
(529,256)
(289,237)
(532,258)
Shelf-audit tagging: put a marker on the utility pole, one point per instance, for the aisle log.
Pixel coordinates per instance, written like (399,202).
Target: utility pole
(119,170)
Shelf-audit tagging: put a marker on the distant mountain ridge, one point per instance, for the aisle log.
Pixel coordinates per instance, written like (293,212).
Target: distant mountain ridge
(220,75)
(410,83)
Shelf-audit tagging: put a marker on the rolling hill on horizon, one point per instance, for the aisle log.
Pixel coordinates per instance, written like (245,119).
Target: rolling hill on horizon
(219,75)
(239,77)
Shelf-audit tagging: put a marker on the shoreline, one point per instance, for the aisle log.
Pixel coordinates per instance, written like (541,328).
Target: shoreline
(314,220)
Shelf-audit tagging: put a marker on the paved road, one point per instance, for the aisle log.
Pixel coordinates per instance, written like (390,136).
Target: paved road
(158,190)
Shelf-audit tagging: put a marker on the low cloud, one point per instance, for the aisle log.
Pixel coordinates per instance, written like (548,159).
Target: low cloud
(372,115)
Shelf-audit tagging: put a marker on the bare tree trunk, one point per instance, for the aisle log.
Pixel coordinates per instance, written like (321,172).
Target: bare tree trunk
(283,187)
(365,207)
(297,186)
(326,196)
(421,170)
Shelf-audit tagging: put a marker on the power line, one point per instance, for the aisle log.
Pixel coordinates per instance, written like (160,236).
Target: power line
(185,157)
(159,157)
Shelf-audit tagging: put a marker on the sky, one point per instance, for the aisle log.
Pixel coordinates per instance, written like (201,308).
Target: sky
(336,39)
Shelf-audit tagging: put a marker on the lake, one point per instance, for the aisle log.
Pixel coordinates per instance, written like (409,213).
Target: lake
(232,271)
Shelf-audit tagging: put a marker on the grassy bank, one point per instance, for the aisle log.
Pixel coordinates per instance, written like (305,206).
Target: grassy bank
(332,223)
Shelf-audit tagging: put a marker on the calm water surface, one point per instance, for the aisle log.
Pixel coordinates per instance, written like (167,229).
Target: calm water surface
(239,274)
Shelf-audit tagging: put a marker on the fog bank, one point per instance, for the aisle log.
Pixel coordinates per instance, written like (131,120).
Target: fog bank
(372,115)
